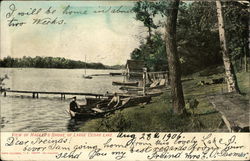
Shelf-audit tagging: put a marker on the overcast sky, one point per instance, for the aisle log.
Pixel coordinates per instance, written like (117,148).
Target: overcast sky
(107,37)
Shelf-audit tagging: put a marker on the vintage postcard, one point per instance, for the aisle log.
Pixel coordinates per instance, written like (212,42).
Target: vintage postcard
(124,80)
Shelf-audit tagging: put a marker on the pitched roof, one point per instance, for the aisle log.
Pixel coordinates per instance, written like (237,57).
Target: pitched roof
(135,64)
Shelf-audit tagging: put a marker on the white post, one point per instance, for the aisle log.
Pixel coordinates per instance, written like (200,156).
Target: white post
(144,77)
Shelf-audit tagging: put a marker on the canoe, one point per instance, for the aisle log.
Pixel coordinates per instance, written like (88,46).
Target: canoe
(101,109)
(125,83)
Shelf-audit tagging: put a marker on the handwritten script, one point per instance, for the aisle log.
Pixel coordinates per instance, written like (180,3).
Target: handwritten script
(126,146)
(18,17)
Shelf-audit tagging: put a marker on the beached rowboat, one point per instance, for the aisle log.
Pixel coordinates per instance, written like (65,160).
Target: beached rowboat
(125,83)
(101,108)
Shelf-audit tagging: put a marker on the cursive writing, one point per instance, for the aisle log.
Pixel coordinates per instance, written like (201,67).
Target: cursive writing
(52,15)
(71,155)
(150,146)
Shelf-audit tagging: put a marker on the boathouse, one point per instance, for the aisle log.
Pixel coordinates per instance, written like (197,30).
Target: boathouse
(134,68)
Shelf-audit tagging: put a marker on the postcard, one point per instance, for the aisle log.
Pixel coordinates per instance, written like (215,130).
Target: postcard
(124,80)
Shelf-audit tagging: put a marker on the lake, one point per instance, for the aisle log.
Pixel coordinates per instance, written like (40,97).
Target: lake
(20,112)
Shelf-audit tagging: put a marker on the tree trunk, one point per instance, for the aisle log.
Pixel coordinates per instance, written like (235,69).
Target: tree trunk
(245,61)
(241,60)
(149,33)
(173,59)
(247,48)
(230,74)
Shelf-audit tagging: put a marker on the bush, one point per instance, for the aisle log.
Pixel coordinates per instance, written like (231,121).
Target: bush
(114,123)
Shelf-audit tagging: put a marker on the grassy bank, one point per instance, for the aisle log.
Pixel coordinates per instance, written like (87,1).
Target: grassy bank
(158,115)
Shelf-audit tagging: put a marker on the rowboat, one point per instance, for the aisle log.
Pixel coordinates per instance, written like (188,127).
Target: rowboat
(128,88)
(115,74)
(101,108)
(125,83)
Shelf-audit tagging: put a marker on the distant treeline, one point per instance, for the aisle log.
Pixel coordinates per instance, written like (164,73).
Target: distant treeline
(48,62)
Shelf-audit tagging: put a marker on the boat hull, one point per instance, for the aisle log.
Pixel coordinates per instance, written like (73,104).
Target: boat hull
(90,111)
(125,83)
(87,77)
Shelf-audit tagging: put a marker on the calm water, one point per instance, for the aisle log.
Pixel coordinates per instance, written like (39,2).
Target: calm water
(20,112)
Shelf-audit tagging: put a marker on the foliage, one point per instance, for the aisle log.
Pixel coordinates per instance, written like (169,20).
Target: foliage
(154,55)
(236,16)
(116,122)
(145,12)
(47,62)
(197,35)
(192,104)
(152,51)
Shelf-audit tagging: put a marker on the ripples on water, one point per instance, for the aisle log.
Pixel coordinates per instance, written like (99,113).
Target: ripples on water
(46,113)
(27,114)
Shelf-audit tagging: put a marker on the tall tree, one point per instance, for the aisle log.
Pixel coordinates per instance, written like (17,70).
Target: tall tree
(230,74)
(145,12)
(173,57)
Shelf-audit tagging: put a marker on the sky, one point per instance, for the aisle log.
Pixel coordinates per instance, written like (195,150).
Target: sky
(108,37)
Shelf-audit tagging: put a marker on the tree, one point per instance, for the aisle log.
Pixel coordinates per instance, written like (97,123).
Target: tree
(198,43)
(173,58)
(145,12)
(47,62)
(197,36)
(230,74)
(236,17)
(153,55)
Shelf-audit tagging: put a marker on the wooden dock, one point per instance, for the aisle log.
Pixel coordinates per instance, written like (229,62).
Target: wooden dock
(234,110)
(35,94)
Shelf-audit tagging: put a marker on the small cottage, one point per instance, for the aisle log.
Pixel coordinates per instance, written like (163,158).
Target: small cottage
(134,68)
